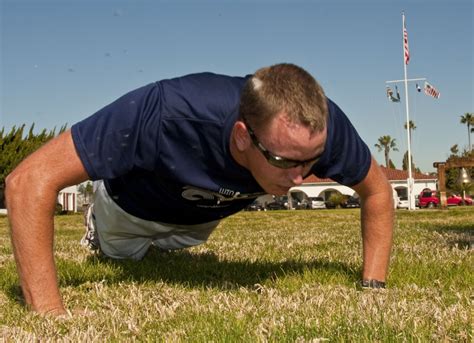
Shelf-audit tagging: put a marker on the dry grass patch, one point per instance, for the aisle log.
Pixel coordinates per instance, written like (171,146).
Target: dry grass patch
(263,276)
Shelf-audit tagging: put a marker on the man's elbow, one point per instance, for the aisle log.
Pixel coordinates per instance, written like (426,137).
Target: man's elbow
(12,186)
(23,185)
(380,194)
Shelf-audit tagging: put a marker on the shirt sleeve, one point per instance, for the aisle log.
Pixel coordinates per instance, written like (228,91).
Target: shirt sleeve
(120,136)
(346,158)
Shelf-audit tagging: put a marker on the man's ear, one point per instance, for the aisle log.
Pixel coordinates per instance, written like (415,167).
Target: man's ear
(241,136)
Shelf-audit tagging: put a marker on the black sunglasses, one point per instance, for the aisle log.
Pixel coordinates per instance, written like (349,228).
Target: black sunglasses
(274,160)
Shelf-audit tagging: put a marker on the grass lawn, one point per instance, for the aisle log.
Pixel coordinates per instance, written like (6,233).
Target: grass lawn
(263,276)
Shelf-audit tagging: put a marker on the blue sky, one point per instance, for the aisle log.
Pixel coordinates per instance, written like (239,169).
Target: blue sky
(63,60)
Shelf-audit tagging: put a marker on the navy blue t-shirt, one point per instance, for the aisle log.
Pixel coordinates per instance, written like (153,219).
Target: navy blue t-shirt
(163,150)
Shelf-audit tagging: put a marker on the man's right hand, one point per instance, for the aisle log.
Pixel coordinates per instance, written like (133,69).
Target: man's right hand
(31,194)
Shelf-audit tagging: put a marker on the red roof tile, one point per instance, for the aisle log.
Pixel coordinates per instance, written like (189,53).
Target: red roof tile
(395,174)
(392,175)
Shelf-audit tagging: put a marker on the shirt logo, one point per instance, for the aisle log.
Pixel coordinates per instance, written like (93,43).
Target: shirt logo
(207,198)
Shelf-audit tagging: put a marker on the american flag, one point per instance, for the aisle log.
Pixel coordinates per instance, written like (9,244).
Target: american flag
(405,42)
(431,91)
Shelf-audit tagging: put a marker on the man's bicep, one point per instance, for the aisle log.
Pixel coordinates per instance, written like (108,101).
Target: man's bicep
(374,182)
(55,164)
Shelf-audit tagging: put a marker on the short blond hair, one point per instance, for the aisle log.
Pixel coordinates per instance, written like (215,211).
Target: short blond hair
(284,87)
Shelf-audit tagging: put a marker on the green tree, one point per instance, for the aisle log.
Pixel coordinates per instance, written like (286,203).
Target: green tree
(453,173)
(405,162)
(468,119)
(15,146)
(392,165)
(454,150)
(386,144)
(335,200)
(86,190)
(412,126)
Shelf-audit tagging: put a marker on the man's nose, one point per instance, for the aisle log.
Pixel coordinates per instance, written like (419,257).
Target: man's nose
(296,175)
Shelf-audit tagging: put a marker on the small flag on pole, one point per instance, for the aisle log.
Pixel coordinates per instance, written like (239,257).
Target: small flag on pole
(431,91)
(398,93)
(405,42)
(390,95)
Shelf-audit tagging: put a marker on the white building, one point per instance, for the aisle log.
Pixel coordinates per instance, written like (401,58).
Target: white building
(315,187)
(67,198)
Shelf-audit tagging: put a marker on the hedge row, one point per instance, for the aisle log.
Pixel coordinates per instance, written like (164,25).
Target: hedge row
(16,145)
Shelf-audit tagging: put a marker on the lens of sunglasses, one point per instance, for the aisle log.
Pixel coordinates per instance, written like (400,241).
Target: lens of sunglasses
(288,164)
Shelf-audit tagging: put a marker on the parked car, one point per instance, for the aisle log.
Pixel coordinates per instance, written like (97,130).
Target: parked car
(402,202)
(316,202)
(275,205)
(430,199)
(456,200)
(351,202)
(302,205)
(282,199)
(255,206)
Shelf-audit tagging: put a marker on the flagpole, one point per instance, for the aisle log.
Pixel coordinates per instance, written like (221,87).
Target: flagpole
(411,196)
(429,90)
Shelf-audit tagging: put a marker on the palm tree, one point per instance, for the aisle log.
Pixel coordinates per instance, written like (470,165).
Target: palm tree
(468,119)
(454,150)
(412,126)
(386,143)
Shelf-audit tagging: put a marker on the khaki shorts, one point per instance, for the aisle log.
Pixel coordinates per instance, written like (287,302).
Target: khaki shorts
(122,235)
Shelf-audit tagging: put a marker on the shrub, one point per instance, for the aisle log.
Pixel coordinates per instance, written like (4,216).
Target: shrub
(335,200)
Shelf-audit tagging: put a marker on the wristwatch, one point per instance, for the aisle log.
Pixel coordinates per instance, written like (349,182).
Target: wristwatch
(371,283)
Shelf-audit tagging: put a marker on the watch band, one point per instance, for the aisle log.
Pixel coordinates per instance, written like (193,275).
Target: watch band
(371,283)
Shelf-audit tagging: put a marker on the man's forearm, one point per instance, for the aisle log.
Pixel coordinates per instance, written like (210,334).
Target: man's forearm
(377,234)
(31,222)
(31,192)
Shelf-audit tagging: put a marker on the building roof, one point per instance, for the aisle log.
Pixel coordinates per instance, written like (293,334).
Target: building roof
(396,174)
(392,175)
